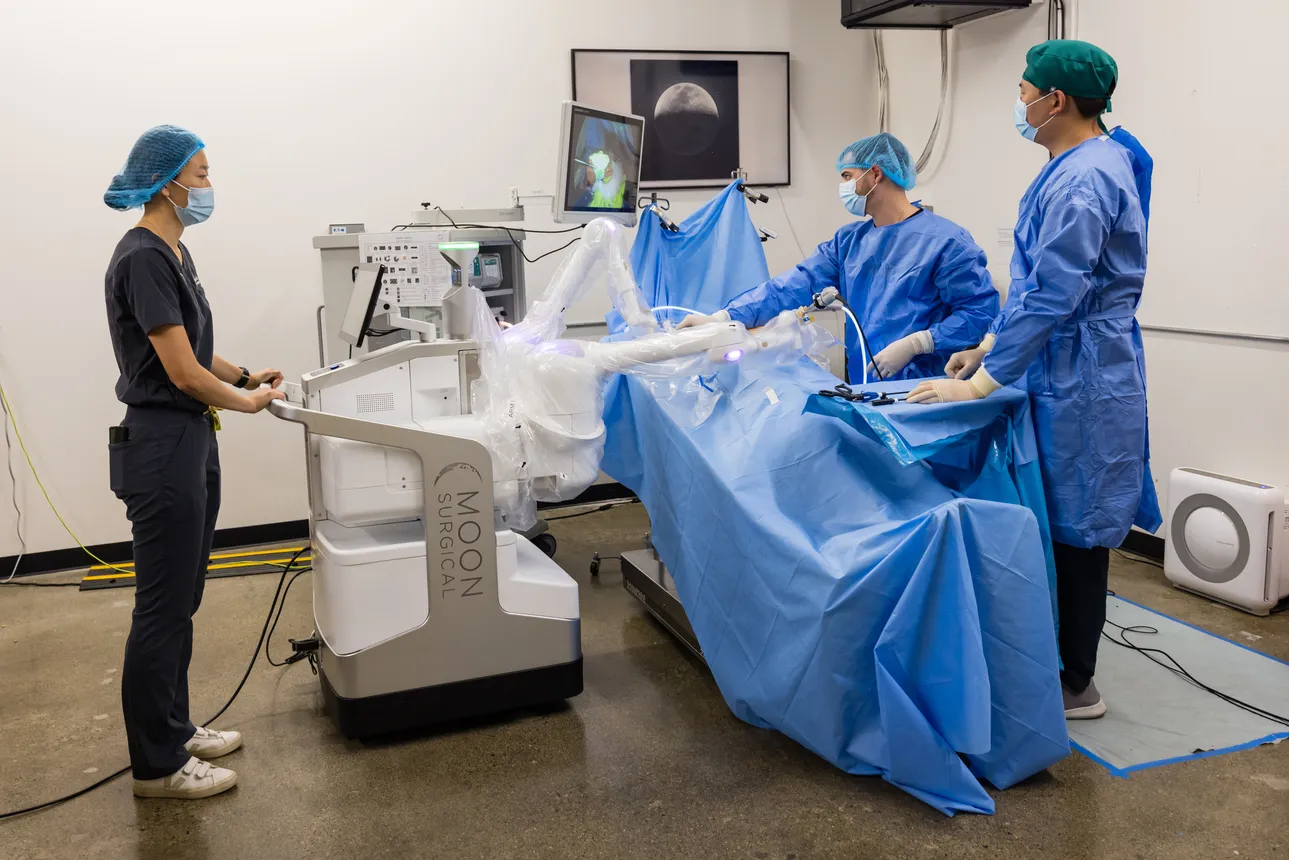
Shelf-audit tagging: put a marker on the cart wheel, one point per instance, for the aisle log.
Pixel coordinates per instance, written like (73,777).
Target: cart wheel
(546,543)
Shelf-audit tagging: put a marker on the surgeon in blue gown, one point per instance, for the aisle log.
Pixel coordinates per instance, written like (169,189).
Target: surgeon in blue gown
(1069,330)
(917,283)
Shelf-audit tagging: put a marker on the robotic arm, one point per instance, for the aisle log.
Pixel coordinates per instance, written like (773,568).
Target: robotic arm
(538,402)
(722,342)
(603,247)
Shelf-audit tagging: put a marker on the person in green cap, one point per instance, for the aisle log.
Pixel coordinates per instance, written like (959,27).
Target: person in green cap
(1069,329)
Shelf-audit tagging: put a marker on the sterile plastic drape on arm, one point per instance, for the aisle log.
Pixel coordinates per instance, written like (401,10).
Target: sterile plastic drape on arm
(1069,328)
(923,274)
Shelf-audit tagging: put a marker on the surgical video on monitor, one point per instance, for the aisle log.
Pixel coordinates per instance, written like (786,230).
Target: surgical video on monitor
(604,170)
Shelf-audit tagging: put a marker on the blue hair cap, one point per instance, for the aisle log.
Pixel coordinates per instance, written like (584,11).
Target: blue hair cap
(155,159)
(884,151)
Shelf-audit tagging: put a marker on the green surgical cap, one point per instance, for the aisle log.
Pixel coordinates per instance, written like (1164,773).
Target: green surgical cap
(1078,69)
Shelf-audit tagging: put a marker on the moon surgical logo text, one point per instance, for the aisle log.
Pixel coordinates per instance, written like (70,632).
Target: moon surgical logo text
(459,532)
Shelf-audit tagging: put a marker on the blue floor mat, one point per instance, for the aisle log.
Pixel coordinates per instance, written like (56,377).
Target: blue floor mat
(1156,717)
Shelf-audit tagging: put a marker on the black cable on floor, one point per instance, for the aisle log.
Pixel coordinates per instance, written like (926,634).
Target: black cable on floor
(601,509)
(268,643)
(105,780)
(1132,556)
(43,584)
(1178,669)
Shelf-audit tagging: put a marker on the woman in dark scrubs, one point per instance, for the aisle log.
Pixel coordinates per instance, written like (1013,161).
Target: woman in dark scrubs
(164,457)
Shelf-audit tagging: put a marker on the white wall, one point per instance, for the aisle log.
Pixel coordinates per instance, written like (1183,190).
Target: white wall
(1190,89)
(314,111)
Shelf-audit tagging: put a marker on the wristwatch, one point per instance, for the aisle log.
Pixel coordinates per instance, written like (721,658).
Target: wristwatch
(246,378)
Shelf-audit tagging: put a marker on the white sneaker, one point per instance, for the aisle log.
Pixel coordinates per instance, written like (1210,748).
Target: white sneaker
(1087,705)
(195,780)
(208,743)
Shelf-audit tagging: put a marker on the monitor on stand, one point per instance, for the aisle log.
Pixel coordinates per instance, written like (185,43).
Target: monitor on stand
(362,304)
(599,165)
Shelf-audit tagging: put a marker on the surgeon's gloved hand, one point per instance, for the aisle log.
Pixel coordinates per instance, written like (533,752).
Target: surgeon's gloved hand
(897,356)
(704,319)
(963,365)
(979,386)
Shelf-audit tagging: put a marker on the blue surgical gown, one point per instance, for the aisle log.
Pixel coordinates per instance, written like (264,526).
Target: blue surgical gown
(1069,328)
(923,274)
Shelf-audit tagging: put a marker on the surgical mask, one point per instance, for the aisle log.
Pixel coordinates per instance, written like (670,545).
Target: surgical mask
(856,204)
(201,203)
(1021,117)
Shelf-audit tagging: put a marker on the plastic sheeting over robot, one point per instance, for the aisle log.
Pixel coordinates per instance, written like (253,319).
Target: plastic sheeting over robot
(540,398)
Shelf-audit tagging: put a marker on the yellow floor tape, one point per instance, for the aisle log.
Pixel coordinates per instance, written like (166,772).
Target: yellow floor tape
(229,565)
(216,556)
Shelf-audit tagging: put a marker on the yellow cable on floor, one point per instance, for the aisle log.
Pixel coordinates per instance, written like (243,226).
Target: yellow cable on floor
(16,432)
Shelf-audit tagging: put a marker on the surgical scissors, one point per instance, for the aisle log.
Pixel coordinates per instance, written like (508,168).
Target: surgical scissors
(872,398)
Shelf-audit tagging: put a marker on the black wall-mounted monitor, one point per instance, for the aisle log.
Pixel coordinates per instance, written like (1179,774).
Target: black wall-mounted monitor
(920,14)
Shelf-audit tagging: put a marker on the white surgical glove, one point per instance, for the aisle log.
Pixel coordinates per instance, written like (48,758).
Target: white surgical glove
(704,319)
(897,356)
(962,365)
(954,390)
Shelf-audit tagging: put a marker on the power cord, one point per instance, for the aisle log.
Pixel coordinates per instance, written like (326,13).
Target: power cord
(268,643)
(1132,556)
(601,509)
(402,227)
(1178,669)
(884,91)
(4,400)
(1056,19)
(509,233)
(13,489)
(925,158)
(883,81)
(260,644)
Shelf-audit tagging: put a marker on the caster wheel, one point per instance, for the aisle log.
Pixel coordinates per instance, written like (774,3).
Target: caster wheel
(546,543)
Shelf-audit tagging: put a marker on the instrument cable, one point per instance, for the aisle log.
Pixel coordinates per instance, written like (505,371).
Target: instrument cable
(518,247)
(862,337)
(1178,669)
(601,509)
(508,232)
(264,634)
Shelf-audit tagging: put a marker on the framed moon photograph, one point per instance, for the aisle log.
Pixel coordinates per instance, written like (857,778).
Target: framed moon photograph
(707,114)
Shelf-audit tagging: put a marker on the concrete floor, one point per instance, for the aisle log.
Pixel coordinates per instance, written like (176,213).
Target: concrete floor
(648,762)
